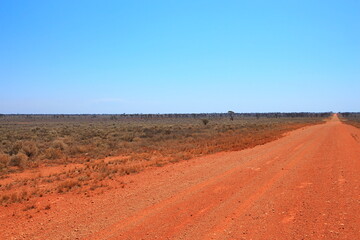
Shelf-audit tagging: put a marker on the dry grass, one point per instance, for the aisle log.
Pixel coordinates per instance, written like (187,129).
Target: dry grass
(351,118)
(136,143)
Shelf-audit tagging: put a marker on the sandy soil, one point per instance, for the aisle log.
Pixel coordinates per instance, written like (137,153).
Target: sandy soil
(305,185)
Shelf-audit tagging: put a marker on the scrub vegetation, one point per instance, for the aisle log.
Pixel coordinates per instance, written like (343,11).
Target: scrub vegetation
(42,154)
(352,118)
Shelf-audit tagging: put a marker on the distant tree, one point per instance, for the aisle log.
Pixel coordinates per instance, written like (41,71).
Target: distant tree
(231,115)
(205,121)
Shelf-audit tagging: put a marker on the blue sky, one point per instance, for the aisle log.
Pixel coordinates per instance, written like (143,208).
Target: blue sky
(179,56)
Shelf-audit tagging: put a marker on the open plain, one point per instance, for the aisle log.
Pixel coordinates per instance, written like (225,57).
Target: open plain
(302,186)
(182,120)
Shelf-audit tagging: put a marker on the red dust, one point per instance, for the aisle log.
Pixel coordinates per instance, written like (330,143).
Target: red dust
(302,186)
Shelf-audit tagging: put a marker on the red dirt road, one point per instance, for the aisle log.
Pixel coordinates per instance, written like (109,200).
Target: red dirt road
(305,185)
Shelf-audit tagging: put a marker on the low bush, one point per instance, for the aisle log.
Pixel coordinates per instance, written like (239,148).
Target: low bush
(140,138)
(4,160)
(29,148)
(205,121)
(53,153)
(67,185)
(18,160)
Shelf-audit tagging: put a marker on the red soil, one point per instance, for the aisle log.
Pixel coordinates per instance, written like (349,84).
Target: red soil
(305,185)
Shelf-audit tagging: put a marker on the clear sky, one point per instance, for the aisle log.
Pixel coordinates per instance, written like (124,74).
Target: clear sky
(179,56)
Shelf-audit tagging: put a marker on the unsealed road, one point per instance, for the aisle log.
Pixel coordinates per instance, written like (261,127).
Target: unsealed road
(303,186)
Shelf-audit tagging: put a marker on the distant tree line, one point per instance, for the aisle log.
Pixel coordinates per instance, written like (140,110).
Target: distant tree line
(350,114)
(113,117)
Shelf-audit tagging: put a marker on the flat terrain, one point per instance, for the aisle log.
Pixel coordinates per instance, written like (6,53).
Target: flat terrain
(305,185)
(54,154)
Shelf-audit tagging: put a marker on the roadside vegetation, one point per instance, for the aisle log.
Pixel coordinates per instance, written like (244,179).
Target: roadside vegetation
(84,152)
(352,118)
